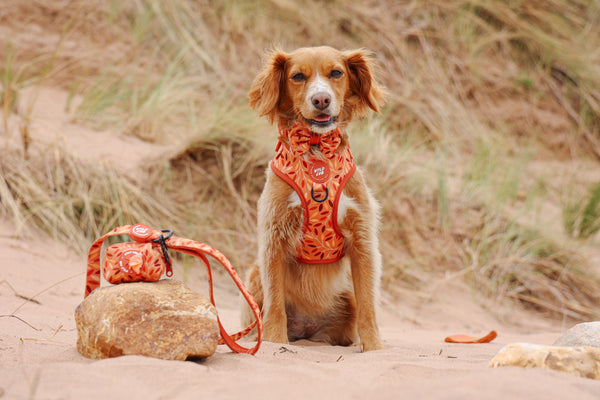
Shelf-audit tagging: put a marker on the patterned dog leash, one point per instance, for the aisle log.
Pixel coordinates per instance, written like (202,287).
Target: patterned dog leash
(151,241)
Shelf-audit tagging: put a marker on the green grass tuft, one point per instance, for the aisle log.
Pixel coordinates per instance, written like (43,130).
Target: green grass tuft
(581,216)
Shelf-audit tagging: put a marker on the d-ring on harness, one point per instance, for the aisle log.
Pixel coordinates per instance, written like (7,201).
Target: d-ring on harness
(312,194)
(145,236)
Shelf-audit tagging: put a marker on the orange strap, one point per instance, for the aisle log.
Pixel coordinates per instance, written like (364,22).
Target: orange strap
(143,233)
(471,339)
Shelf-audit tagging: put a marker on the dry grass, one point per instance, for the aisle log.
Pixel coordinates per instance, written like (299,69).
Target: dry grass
(76,202)
(581,215)
(478,91)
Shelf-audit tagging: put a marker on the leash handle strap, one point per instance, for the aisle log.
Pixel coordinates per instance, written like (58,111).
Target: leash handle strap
(142,233)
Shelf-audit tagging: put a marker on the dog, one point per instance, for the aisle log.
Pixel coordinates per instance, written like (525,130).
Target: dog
(319,265)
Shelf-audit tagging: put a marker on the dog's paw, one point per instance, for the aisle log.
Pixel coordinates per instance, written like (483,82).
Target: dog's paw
(275,329)
(369,345)
(283,339)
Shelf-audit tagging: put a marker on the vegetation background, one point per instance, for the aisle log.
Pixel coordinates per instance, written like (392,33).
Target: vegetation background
(486,158)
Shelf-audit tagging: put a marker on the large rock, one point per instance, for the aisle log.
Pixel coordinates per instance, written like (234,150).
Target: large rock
(162,319)
(585,334)
(580,361)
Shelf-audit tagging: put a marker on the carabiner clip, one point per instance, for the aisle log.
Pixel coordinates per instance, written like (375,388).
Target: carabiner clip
(163,245)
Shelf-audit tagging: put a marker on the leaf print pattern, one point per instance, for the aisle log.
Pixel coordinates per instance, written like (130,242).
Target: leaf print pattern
(322,241)
(150,266)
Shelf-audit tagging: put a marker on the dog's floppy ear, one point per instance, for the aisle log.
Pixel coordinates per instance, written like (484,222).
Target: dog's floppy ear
(265,93)
(365,93)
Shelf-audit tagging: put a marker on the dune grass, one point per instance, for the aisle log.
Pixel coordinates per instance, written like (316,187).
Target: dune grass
(76,202)
(581,214)
(479,90)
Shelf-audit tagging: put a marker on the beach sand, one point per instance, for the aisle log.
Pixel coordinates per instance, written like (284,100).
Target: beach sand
(39,359)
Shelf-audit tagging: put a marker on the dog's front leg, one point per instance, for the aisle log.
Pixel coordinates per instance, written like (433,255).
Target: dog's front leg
(365,261)
(277,224)
(272,278)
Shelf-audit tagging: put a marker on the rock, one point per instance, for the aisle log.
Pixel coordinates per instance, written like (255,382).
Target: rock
(162,319)
(585,334)
(580,361)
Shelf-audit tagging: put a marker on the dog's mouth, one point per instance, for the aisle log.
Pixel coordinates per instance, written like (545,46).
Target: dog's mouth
(321,120)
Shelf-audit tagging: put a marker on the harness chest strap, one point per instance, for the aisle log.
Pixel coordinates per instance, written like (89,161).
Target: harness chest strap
(195,249)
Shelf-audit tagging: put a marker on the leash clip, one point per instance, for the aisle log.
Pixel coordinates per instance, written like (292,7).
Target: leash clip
(163,245)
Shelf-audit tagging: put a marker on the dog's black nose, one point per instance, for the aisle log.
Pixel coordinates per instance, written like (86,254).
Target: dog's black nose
(321,100)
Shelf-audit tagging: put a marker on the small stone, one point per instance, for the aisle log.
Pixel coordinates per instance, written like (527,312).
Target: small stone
(580,361)
(163,319)
(584,334)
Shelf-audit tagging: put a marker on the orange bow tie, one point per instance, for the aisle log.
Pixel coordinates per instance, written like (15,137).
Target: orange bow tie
(301,138)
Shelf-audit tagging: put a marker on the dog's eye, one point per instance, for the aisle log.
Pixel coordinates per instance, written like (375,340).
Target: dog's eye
(299,77)
(335,73)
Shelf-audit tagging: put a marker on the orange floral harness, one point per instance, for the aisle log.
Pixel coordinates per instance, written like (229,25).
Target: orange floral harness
(319,183)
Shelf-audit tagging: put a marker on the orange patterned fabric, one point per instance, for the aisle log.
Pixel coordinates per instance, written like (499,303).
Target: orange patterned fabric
(301,139)
(92,280)
(319,183)
(133,262)
(143,234)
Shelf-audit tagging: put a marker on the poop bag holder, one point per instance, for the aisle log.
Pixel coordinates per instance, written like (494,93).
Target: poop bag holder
(146,259)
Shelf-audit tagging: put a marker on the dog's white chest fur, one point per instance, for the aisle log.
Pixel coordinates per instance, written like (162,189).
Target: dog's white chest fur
(344,205)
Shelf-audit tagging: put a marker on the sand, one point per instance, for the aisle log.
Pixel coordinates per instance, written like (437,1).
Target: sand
(39,360)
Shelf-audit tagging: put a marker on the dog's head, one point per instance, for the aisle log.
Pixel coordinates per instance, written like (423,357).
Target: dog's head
(318,86)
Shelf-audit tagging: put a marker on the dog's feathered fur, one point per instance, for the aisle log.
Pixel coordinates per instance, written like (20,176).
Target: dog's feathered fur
(334,302)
